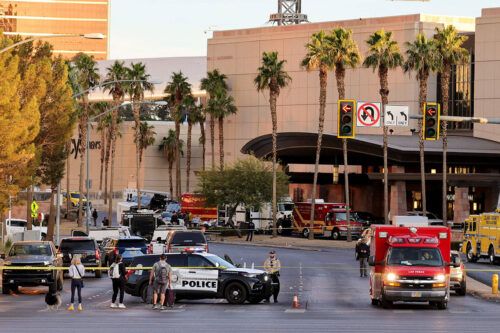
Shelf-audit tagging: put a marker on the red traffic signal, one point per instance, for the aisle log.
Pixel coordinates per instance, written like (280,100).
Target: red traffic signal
(346,119)
(431,122)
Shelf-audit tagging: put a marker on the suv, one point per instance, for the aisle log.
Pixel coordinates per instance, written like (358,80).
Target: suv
(180,240)
(129,247)
(458,281)
(207,276)
(35,254)
(85,247)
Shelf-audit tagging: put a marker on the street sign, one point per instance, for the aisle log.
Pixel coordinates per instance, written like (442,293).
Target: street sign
(368,114)
(396,115)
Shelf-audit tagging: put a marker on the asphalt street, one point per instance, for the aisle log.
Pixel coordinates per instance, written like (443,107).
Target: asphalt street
(332,295)
(482,271)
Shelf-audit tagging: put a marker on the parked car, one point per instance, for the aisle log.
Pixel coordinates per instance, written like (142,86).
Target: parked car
(86,247)
(129,247)
(180,240)
(14,225)
(216,279)
(458,278)
(432,218)
(35,254)
(160,235)
(367,218)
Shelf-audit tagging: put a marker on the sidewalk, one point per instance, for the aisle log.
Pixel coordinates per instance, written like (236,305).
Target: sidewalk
(479,289)
(286,242)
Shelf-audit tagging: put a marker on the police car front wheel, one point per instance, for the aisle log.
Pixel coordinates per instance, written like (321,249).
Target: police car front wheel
(236,293)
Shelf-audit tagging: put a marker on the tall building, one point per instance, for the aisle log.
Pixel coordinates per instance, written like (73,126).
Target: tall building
(55,17)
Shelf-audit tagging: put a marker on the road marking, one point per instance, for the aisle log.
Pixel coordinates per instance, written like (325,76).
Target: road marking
(173,310)
(234,310)
(295,310)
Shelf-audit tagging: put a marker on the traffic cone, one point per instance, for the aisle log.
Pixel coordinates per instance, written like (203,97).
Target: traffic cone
(295,303)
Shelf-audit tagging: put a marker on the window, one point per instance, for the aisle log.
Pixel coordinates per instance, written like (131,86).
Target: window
(177,260)
(412,256)
(68,245)
(132,243)
(30,249)
(18,223)
(198,261)
(188,238)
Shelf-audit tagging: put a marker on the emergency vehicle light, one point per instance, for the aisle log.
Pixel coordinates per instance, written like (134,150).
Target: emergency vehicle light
(414,240)
(397,240)
(443,235)
(432,240)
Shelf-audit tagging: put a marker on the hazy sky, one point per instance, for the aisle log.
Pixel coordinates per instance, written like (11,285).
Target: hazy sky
(168,28)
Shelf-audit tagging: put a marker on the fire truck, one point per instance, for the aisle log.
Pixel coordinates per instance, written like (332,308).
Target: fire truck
(482,237)
(329,220)
(410,264)
(195,204)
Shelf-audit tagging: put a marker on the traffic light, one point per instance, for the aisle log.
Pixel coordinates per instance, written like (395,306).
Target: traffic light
(346,119)
(431,124)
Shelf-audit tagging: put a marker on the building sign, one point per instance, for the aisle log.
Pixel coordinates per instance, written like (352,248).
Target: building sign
(76,146)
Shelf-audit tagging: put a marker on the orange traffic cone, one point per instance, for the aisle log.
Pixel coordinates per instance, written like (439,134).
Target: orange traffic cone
(295,303)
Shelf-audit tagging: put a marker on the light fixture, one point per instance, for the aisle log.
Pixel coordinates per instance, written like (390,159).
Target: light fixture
(433,171)
(335,174)
(415,204)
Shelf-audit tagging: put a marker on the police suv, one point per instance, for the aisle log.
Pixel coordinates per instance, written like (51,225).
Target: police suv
(202,275)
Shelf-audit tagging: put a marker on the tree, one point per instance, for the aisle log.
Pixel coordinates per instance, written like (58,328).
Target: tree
(177,89)
(451,53)
(102,127)
(203,137)
(245,182)
(146,138)
(318,57)
(168,147)
(383,54)
(345,54)
(421,57)
(116,73)
(194,116)
(136,88)
(215,81)
(272,75)
(221,105)
(86,76)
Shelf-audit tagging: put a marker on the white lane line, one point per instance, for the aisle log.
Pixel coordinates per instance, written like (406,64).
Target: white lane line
(174,310)
(295,310)
(234,311)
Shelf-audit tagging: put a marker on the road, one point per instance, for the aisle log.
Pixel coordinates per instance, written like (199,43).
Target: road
(482,271)
(333,298)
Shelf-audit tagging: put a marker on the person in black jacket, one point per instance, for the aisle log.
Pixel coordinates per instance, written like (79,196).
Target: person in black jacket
(250,231)
(117,274)
(363,255)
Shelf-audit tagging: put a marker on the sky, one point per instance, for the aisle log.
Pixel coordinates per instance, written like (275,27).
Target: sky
(172,28)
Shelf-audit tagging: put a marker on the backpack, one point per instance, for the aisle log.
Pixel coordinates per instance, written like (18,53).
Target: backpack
(161,274)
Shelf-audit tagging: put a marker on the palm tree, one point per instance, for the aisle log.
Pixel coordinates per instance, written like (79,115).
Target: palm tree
(421,57)
(451,53)
(203,139)
(345,54)
(178,89)
(102,128)
(220,106)
(214,81)
(168,146)
(383,54)
(194,116)
(146,138)
(318,57)
(136,88)
(116,73)
(272,75)
(86,76)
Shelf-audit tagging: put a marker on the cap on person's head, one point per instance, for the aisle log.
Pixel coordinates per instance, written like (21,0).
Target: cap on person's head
(162,256)
(272,252)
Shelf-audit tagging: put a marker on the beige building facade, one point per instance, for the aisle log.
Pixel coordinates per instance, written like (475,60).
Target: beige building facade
(50,18)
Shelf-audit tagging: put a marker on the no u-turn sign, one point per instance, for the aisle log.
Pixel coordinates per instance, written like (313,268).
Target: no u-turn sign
(368,114)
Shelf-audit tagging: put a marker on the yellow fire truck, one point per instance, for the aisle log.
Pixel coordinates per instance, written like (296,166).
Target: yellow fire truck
(482,237)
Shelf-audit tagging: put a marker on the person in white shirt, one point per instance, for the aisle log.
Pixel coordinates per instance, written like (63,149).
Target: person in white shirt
(76,271)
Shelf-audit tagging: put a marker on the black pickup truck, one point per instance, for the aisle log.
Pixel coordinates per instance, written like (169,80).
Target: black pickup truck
(33,254)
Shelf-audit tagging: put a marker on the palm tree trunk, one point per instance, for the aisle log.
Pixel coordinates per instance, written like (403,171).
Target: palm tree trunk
(384,93)
(323,77)
(177,160)
(29,199)
(212,139)
(445,81)
(83,147)
(68,201)
(188,155)
(273,95)
(103,154)
(106,163)
(137,120)
(339,76)
(203,144)
(221,143)
(114,119)
(170,176)
(52,216)
(422,99)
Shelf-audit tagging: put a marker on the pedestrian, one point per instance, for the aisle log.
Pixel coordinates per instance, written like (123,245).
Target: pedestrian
(250,231)
(105,222)
(159,278)
(94,216)
(76,272)
(363,255)
(174,219)
(117,273)
(272,265)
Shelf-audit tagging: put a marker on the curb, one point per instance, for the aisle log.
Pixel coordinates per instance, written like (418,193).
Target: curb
(486,295)
(290,247)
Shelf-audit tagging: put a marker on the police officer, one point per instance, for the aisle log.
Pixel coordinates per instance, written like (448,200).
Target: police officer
(250,231)
(272,266)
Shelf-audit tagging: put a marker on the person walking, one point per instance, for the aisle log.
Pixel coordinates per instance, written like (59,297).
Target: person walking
(76,272)
(363,255)
(272,265)
(94,216)
(250,231)
(159,278)
(117,273)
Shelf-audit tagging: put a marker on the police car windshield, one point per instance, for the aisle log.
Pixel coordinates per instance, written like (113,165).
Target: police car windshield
(412,256)
(219,262)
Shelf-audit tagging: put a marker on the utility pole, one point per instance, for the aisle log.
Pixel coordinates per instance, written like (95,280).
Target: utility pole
(289,12)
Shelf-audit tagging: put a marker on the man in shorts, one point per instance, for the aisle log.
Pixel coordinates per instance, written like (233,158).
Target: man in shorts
(159,278)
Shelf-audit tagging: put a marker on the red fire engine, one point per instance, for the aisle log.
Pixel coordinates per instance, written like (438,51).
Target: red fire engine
(329,220)
(410,264)
(195,204)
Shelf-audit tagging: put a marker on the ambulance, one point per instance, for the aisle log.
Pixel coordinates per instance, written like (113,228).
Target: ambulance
(329,220)
(410,264)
